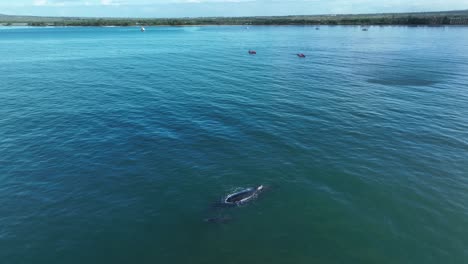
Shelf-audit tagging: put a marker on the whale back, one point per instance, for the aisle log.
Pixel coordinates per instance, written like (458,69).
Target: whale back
(240,196)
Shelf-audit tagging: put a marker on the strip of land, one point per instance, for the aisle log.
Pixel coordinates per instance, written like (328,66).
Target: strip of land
(428,18)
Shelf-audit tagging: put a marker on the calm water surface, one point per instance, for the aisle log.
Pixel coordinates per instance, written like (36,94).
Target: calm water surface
(114,144)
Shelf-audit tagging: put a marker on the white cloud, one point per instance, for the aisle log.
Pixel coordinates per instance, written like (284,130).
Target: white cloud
(40,2)
(110,3)
(58,3)
(448,4)
(176,8)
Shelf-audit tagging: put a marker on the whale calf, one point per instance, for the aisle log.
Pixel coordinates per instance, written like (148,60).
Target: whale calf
(218,219)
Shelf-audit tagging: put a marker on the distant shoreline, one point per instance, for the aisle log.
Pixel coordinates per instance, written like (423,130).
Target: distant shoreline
(226,25)
(397,19)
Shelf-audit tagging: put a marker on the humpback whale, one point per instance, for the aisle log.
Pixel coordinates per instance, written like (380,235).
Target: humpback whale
(234,199)
(243,196)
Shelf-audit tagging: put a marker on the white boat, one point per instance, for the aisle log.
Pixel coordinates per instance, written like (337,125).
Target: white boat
(142,29)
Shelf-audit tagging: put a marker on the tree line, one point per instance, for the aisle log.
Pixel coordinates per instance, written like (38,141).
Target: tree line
(446,18)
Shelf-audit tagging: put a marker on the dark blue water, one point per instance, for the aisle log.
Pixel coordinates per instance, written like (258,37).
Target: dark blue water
(115,144)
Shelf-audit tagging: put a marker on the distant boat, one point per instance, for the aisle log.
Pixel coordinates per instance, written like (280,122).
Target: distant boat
(142,29)
(301,55)
(365,29)
(317,28)
(252,52)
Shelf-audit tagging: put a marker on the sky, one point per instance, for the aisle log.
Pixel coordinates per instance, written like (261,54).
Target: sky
(198,8)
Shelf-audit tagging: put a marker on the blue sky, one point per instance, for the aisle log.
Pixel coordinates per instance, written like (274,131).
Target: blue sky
(195,8)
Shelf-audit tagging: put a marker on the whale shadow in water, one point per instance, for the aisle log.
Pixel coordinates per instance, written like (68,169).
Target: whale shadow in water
(223,219)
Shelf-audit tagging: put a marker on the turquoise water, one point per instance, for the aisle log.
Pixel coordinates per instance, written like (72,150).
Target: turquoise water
(115,144)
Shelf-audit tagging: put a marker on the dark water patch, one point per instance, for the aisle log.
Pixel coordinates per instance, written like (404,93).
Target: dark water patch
(403,82)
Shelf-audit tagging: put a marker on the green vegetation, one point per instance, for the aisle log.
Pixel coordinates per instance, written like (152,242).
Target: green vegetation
(432,18)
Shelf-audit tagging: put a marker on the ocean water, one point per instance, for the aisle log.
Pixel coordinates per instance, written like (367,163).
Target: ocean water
(115,145)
